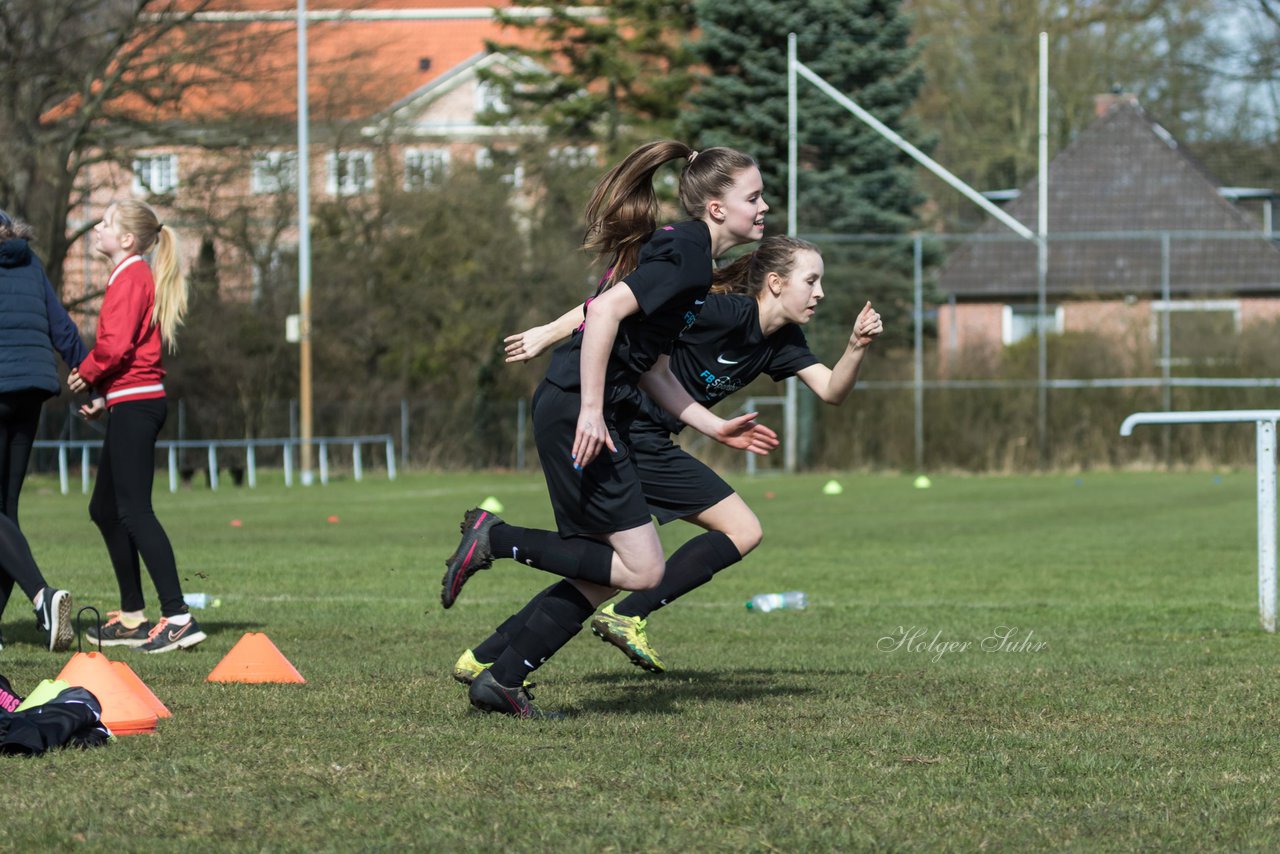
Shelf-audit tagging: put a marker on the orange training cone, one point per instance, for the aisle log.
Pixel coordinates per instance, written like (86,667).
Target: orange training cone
(255,658)
(140,689)
(123,712)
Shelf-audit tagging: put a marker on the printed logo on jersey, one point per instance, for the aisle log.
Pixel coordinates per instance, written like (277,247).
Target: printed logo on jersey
(722,360)
(718,387)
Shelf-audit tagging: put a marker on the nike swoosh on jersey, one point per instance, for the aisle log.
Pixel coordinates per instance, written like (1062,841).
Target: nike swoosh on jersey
(722,360)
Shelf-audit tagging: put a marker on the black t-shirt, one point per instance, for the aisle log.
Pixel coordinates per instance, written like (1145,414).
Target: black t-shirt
(670,283)
(725,350)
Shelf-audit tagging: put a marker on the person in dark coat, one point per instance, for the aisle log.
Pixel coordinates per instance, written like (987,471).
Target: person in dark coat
(33,325)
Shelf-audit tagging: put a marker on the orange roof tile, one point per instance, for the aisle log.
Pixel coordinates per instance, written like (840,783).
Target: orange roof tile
(356,68)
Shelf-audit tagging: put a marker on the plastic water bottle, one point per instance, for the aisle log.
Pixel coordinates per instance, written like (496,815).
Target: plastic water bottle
(196,600)
(766,602)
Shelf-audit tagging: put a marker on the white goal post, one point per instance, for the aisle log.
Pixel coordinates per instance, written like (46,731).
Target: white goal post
(1265,421)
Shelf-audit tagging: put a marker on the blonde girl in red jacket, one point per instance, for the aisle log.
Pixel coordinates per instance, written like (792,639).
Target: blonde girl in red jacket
(140,312)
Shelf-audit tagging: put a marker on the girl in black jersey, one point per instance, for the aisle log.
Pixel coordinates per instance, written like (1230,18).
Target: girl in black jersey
(750,325)
(655,287)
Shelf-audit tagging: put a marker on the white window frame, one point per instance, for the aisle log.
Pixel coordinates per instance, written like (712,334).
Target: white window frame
(437,157)
(1161,307)
(485,160)
(1006,322)
(489,97)
(348,185)
(273,172)
(149,178)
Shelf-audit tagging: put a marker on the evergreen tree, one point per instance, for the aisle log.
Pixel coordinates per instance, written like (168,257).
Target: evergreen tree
(595,79)
(852,180)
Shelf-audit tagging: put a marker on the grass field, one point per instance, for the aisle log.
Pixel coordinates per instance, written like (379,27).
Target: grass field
(1132,707)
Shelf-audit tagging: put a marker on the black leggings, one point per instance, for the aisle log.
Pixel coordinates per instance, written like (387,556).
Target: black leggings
(19,417)
(121,506)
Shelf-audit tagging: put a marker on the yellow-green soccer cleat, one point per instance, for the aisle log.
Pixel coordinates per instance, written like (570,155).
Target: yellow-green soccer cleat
(627,634)
(468,668)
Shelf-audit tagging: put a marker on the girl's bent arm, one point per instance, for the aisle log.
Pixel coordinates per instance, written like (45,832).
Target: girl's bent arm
(607,311)
(124,312)
(740,432)
(832,385)
(62,329)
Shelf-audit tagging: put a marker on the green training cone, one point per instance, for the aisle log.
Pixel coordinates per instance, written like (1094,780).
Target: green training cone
(491,504)
(832,487)
(43,693)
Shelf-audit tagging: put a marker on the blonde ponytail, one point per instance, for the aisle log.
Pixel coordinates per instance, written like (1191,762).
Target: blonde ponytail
(171,287)
(136,218)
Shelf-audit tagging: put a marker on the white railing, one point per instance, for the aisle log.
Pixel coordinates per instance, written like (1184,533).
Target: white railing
(211,448)
(1265,421)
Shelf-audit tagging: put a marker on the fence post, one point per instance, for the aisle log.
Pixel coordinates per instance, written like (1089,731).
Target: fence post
(357,469)
(62,469)
(251,463)
(324,463)
(84,469)
(391,459)
(1266,445)
(1166,351)
(288,463)
(213,467)
(182,425)
(520,434)
(173,468)
(404,433)
(918,333)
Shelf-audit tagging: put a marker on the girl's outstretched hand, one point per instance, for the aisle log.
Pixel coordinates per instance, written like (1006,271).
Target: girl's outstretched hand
(745,434)
(590,437)
(867,327)
(527,345)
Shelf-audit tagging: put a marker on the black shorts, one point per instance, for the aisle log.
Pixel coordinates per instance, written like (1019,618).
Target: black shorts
(675,483)
(604,498)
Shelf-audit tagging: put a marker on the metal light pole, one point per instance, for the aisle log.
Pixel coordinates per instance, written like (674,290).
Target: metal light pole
(793,180)
(1042,261)
(304,250)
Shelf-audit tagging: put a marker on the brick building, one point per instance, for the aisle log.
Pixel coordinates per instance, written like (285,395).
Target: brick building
(390,101)
(1138,230)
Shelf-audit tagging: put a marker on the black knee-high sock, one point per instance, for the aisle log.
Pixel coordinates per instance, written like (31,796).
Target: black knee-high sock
(558,617)
(496,644)
(690,567)
(571,557)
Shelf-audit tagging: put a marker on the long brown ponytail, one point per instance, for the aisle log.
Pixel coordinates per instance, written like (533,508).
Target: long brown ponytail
(623,210)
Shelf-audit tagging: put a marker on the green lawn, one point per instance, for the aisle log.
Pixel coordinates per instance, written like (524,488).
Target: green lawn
(1134,711)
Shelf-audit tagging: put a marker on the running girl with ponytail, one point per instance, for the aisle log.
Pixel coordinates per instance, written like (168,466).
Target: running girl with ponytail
(749,326)
(140,314)
(655,285)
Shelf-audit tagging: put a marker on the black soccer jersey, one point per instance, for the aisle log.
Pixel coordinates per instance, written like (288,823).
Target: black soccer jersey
(670,283)
(725,350)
